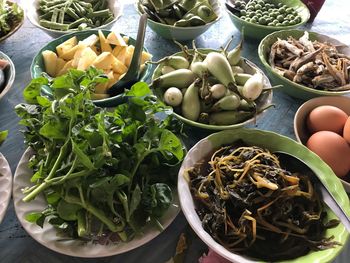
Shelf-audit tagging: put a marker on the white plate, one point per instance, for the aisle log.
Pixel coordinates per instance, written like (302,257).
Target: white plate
(47,235)
(5,185)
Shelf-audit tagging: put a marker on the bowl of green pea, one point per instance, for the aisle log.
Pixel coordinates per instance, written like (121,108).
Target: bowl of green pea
(258,18)
(59,17)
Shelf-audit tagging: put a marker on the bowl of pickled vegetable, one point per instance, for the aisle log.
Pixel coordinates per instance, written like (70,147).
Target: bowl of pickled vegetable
(307,64)
(248,205)
(258,18)
(58,17)
(212,89)
(180,20)
(107,51)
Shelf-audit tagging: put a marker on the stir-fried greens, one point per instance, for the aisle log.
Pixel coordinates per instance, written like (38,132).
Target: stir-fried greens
(104,174)
(10,15)
(250,204)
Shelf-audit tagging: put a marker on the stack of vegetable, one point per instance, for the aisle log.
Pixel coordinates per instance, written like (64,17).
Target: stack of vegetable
(111,53)
(181,13)
(10,16)
(105,175)
(211,87)
(74,14)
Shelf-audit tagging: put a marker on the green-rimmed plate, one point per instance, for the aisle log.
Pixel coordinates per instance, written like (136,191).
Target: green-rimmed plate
(291,88)
(273,142)
(37,67)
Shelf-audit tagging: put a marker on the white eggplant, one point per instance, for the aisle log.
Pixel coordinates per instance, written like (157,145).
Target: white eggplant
(180,78)
(220,68)
(167,69)
(199,68)
(191,106)
(241,78)
(230,102)
(253,87)
(218,91)
(173,96)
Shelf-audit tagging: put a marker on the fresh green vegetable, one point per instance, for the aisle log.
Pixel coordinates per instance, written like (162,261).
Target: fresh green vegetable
(102,173)
(180,78)
(11,14)
(190,104)
(3,136)
(74,14)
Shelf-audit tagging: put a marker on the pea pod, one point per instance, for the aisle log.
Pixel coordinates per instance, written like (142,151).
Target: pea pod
(229,117)
(180,78)
(191,106)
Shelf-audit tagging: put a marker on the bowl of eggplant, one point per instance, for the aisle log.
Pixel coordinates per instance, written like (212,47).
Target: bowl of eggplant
(180,20)
(212,89)
(7,74)
(308,64)
(58,17)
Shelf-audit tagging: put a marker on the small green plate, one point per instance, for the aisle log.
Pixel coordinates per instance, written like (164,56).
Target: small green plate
(273,142)
(256,31)
(291,88)
(37,66)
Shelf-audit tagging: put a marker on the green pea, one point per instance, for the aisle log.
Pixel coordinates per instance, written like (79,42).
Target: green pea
(243,13)
(265,13)
(254,19)
(282,10)
(271,24)
(285,23)
(262,21)
(251,14)
(279,4)
(258,15)
(298,19)
(280,18)
(260,2)
(257,7)
(275,21)
(278,24)
(243,17)
(248,19)
(289,9)
(238,4)
(258,12)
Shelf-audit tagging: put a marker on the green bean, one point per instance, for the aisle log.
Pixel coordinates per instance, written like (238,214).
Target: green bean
(82,9)
(70,11)
(97,6)
(109,19)
(52,25)
(54,15)
(61,16)
(46,16)
(101,13)
(104,4)
(77,22)
(85,5)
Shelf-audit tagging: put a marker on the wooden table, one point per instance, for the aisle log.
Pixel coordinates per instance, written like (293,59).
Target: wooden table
(17,246)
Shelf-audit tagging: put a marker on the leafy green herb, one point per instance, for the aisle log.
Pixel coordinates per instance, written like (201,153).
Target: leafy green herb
(100,171)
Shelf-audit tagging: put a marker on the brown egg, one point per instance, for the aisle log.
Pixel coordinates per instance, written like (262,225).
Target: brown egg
(326,118)
(333,149)
(346,131)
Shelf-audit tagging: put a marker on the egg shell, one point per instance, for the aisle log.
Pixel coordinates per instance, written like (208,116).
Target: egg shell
(326,118)
(346,131)
(333,149)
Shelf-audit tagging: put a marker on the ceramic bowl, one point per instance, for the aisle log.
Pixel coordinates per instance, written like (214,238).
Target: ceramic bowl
(182,33)
(256,31)
(116,6)
(273,142)
(249,67)
(300,129)
(10,74)
(37,67)
(291,88)
(15,27)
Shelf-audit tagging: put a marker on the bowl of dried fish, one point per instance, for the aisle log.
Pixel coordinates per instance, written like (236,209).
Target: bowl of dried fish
(180,20)
(258,18)
(250,206)
(308,64)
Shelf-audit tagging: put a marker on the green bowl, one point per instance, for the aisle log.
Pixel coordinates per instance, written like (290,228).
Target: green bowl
(182,33)
(256,31)
(273,142)
(37,67)
(291,88)
(264,100)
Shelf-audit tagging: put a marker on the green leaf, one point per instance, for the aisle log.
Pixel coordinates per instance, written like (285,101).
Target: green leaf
(32,91)
(83,158)
(53,130)
(43,101)
(135,199)
(33,217)
(52,197)
(3,136)
(67,211)
(171,143)
(162,197)
(139,89)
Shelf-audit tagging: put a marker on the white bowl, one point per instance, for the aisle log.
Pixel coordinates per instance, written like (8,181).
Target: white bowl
(10,73)
(300,129)
(116,6)
(183,33)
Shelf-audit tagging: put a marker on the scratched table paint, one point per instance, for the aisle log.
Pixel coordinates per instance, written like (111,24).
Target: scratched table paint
(17,246)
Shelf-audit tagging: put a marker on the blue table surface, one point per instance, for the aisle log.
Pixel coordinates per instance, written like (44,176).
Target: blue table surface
(17,246)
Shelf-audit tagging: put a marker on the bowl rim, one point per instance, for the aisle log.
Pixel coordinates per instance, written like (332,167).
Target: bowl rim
(183,28)
(274,28)
(12,76)
(328,100)
(18,25)
(30,9)
(100,102)
(222,127)
(206,143)
(289,82)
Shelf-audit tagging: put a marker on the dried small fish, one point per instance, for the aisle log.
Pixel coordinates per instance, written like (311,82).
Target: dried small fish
(311,63)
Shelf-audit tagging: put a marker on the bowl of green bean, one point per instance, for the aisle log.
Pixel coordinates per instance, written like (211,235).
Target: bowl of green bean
(180,20)
(258,18)
(58,17)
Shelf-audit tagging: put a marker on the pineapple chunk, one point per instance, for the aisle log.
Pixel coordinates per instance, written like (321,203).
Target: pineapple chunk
(122,55)
(114,78)
(145,57)
(59,65)
(90,41)
(119,67)
(69,54)
(116,39)
(88,56)
(65,46)
(50,61)
(128,57)
(66,67)
(77,57)
(105,47)
(104,60)
(126,39)
(117,50)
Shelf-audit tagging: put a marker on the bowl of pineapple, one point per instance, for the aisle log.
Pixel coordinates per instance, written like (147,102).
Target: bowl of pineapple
(109,51)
